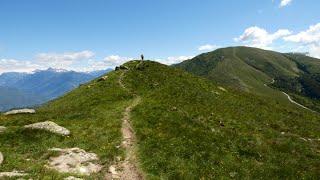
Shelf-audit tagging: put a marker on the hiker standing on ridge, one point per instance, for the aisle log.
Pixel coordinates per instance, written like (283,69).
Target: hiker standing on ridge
(142,57)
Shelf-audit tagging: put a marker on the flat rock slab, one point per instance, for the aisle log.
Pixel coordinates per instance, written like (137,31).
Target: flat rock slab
(2,129)
(74,160)
(12,174)
(1,158)
(49,126)
(20,111)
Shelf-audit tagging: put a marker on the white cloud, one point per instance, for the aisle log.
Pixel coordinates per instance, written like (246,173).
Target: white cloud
(115,60)
(63,60)
(12,65)
(309,38)
(314,51)
(174,59)
(258,37)
(208,47)
(284,3)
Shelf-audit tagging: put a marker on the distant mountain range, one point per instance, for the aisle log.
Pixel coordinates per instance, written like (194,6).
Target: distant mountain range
(29,89)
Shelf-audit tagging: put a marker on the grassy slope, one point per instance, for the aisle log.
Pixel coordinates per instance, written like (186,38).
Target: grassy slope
(180,135)
(178,128)
(244,68)
(93,115)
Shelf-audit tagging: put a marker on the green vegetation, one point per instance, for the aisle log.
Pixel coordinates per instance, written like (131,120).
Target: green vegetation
(92,113)
(186,128)
(252,70)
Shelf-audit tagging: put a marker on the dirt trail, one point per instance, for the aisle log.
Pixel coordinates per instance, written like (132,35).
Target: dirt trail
(126,169)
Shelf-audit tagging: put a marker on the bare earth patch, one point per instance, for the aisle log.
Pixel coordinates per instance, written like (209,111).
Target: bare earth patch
(74,160)
(49,126)
(126,169)
(20,111)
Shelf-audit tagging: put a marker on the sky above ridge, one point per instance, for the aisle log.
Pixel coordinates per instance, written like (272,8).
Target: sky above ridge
(87,35)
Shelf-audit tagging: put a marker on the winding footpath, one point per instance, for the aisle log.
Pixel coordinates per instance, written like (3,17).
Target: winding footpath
(291,100)
(126,169)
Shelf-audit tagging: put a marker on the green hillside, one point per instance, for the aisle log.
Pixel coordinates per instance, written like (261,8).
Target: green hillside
(185,126)
(253,70)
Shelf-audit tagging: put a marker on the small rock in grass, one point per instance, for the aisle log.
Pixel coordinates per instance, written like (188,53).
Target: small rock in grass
(103,78)
(222,89)
(2,129)
(72,178)
(1,158)
(74,160)
(12,174)
(20,111)
(49,126)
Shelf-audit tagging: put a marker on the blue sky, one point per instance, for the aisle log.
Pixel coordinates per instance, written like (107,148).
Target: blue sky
(95,34)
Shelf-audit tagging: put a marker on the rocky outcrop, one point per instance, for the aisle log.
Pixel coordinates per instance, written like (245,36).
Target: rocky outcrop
(103,78)
(20,111)
(74,160)
(12,174)
(49,126)
(2,129)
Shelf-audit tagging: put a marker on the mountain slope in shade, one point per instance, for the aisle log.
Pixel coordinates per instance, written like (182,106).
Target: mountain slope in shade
(12,97)
(41,86)
(254,70)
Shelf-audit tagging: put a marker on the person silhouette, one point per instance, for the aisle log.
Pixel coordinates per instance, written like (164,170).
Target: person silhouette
(142,57)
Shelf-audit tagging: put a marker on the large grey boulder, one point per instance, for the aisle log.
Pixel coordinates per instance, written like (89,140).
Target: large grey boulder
(49,126)
(20,111)
(75,161)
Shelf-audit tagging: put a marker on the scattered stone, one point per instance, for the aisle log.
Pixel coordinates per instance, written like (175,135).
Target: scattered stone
(114,172)
(2,129)
(124,67)
(1,158)
(49,126)
(174,108)
(72,178)
(222,89)
(20,111)
(221,123)
(12,174)
(74,160)
(233,174)
(103,78)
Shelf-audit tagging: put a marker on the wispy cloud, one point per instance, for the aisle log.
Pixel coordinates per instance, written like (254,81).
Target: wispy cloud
(258,37)
(13,65)
(309,38)
(284,3)
(62,60)
(208,47)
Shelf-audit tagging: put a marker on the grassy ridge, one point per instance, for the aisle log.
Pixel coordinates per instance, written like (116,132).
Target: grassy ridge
(92,113)
(188,128)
